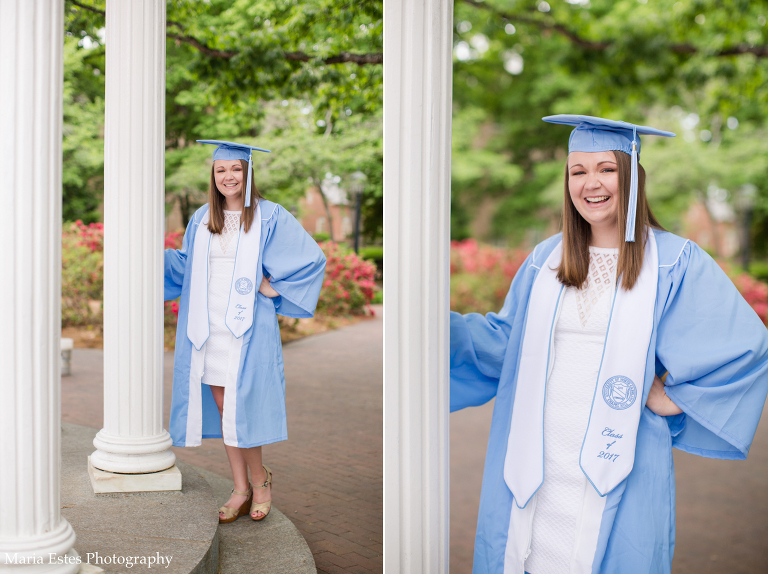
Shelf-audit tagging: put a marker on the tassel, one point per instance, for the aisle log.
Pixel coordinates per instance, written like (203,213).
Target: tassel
(632,207)
(248,185)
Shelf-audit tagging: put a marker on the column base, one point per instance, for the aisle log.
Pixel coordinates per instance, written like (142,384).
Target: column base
(68,563)
(105,482)
(132,455)
(32,554)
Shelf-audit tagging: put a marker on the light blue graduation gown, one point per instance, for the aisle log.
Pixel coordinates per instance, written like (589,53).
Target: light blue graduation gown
(296,265)
(715,349)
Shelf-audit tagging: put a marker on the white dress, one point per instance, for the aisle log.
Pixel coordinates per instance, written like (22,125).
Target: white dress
(578,348)
(221,260)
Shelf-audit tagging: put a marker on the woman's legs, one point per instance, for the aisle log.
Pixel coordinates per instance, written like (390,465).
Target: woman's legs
(240,460)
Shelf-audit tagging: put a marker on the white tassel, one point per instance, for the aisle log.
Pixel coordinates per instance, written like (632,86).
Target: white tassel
(632,207)
(248,185)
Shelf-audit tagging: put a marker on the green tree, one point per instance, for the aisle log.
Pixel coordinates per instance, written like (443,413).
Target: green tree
(83,146)
(698,67)
(301,78)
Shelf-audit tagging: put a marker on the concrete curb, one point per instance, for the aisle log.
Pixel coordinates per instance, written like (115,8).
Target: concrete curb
(183,525)
(271,546)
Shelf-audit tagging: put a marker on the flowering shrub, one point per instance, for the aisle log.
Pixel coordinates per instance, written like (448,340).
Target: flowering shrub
(349,282)
(174,239)
(481,275)
(348,288)
(82,276)
(90,236)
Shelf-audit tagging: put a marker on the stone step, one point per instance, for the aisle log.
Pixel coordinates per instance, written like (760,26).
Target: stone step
(270,546)
(182,524)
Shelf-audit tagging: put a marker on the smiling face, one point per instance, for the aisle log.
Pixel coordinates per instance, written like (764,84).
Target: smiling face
(228,174)
(593,184)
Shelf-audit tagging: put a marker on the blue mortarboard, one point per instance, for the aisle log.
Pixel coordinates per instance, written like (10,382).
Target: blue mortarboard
(598,134)
(231,150)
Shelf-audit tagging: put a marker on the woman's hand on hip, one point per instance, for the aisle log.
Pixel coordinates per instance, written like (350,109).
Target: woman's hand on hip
(659,402)
(266,288)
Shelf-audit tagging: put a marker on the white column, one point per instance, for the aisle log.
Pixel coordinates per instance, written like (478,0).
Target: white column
(417,154)
(133,439)
(31,526)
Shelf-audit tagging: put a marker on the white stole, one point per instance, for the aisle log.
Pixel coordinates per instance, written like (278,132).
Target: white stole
(242,293)
(608,450)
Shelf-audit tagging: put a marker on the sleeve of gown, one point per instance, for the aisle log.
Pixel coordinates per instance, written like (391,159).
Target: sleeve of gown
(478,346)
(296,265)
(175,263)
(716,351)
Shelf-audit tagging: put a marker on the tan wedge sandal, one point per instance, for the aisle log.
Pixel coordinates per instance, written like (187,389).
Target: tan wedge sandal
(232,514)
(263,507)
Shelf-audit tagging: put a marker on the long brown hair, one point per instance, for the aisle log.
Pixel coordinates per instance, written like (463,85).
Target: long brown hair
(217,203)
(577,232)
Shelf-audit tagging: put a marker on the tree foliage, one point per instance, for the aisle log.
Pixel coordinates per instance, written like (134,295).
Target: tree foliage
(83,148)
(301,78)
(696,67)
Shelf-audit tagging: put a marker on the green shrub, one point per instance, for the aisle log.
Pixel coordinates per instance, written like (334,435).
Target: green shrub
(759,270)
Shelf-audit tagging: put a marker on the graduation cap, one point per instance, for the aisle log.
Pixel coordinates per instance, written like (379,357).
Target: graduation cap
(597,134)
(231,150)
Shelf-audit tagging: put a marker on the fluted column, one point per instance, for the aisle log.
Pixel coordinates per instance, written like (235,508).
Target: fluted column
(32,530)
(417,152)
(133,439)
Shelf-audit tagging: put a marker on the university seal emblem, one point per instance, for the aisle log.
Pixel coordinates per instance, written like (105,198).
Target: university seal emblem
(619,392)
(243,285)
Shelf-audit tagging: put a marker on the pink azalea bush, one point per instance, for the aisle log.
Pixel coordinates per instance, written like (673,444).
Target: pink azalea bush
(481,275)
(90,236)
(348,288)
(349,284)
(173,239)
(82,275)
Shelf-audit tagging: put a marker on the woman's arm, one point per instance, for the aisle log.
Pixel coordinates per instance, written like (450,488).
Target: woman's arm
(295,265)
(715,349)
(479,345)
(175,263)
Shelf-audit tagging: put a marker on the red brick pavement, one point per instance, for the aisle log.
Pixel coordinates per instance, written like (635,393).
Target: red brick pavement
(328,474)
(722,505)
(469,441)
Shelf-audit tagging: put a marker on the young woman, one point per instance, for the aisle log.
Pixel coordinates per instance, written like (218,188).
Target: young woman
(579,475)
(228,378)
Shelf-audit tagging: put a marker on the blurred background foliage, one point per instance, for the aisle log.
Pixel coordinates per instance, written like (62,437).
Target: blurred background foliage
(695,67)
(302,78)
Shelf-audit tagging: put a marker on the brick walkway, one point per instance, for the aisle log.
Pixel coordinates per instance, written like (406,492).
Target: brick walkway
(722,505)
(328,474)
